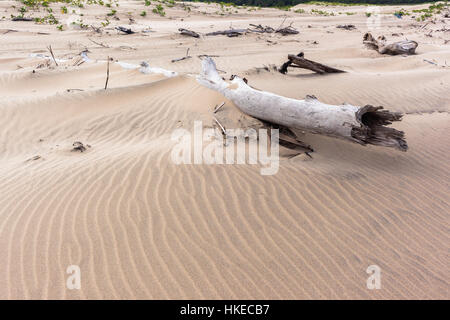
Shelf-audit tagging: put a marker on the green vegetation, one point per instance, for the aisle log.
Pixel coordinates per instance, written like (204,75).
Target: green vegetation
(159,9)
(321,13)
(402,12)
(432,9)
(48,19)
(34,7)
(290,3)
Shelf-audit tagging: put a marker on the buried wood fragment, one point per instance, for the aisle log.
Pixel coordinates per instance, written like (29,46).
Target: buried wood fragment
(363,125)
(298,61)
(267,29)
(51,52)
(79,146)
(260,29)
(287,30)
(37,157)
(222,128)
(107,73)
(228,33)
(21,19)
(346,26)
(125,30)
(217,108)
(187,56)
(190,33)
(98,43)
(401,47)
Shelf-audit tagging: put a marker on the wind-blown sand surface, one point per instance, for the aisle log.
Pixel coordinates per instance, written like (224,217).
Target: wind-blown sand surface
(140,226)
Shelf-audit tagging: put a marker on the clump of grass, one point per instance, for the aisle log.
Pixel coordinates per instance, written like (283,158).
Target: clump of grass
(284,8)
(105,23)
(112,13)
(430,11)
(322,13)
(401,12)
(48,19)
(80,23)
(159,9)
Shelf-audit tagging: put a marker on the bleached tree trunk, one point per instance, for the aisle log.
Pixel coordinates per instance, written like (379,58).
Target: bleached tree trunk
(364,125)
(399,47)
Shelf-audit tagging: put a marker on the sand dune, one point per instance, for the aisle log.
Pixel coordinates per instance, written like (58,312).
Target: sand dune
(140,226)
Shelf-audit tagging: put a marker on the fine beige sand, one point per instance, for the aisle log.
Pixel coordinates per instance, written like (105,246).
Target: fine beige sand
(139,226)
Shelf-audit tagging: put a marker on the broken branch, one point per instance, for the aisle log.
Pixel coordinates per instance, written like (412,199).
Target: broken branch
(298,61)
(51,52)
(107,73)
(190,33)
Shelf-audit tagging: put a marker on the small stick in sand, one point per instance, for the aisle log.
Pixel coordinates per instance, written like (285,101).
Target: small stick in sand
(107,74)
(222,128)
(218,107)
(187,56)
(98,43)
(51,52)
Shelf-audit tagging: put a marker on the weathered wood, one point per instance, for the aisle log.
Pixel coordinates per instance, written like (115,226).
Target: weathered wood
(287,30)
(363,125)
(228,33)
(107,73)
(187,56)
(401,47)
(346,26)
(298,61)
(260,29)
(190,33)
(125,30)
(21,19)
(53,56)
(267,29)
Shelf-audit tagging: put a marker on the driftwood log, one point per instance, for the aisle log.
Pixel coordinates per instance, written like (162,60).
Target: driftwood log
(298,61)
(267,29)
(363,125)
(400,47)
(346,26)
(228,33)
(21,19)
(287,30)
(190,33)
(260,29)
(255,28)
